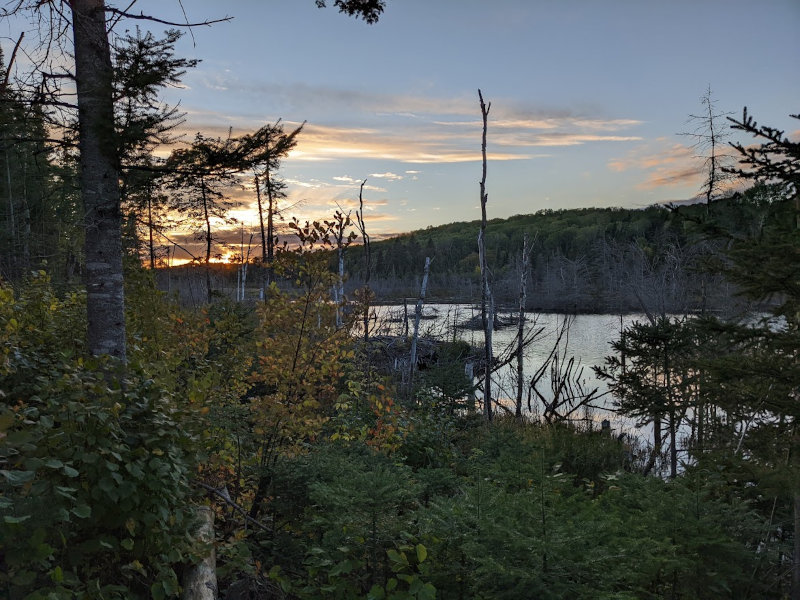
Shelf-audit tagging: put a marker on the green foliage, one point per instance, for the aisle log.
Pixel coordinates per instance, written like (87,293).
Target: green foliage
(347,515)
(524,525)
(95,469)
(94,474)
(519,511)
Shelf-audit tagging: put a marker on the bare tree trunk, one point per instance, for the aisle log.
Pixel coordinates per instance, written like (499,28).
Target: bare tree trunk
(523,280)
(200,580)
(656,446)
(270,227)
(12,227)
(367,259)
(712,166)
(487,303)
(265,269)
(257,183)
(673,452)
(417,316)
(341,221)
(405,317)
(208,237)
(340,285)
(99,180)
(270,220)
(673,441)
(796,550)
(26,221)
(150,227)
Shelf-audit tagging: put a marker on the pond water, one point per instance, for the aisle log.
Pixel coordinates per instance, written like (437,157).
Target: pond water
(588,340)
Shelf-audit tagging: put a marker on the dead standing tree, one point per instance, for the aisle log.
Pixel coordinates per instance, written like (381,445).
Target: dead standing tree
(366,292)
(417,316)
(487,302)
(523,280)
(710,136)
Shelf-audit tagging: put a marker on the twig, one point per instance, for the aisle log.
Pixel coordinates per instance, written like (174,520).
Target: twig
(144,17)
(4,86)
(224,496)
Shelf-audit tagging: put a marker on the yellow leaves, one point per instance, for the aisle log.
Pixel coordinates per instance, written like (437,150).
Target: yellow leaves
(135,565)
(130,525)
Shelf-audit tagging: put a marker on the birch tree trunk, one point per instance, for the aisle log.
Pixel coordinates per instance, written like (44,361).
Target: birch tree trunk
(417,316)
(200,580)
(340,286)
(99,179)
(796,550)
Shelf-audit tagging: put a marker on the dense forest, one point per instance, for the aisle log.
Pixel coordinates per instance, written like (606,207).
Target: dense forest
(586,260)
(256,447)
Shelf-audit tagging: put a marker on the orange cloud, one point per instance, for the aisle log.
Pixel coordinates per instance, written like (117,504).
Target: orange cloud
(663,166)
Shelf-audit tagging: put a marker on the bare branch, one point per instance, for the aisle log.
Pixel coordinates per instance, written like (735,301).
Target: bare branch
(222,494)
(144,17)
(4,85)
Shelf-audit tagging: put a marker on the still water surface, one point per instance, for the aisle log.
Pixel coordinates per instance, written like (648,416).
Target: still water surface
(589,341)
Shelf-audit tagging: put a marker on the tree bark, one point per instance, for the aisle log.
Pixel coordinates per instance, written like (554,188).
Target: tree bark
(521,321)
(12,228)
(200,580)
(99,178)
(796,549)
(417,316)
(339,287)
(487,303)
(151,242)
(207,219)
(26,221)
(362,227)
(270,221)
(257,183)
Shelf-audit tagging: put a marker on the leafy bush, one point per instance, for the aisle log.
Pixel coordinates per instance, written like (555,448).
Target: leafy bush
(94,468)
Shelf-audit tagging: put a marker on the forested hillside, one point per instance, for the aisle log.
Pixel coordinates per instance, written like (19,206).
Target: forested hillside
(585,260)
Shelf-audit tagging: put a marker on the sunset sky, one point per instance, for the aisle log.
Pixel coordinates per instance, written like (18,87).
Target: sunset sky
(588,97)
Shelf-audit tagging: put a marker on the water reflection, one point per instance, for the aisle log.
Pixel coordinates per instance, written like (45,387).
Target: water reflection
(589,340)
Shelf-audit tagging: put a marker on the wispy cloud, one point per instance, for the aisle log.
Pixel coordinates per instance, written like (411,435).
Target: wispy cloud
(663,164)
(423,145)
(387,175)
(415,129)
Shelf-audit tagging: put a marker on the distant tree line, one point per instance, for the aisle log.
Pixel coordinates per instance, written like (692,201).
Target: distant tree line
(584,260)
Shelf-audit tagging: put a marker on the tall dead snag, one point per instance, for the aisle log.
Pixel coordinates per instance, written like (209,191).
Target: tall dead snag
(365,292)
(487,302)
(523,280)
(417,316)
(710,136)
(99,177)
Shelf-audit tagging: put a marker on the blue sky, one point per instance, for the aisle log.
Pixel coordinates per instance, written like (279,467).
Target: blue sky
(588,96)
